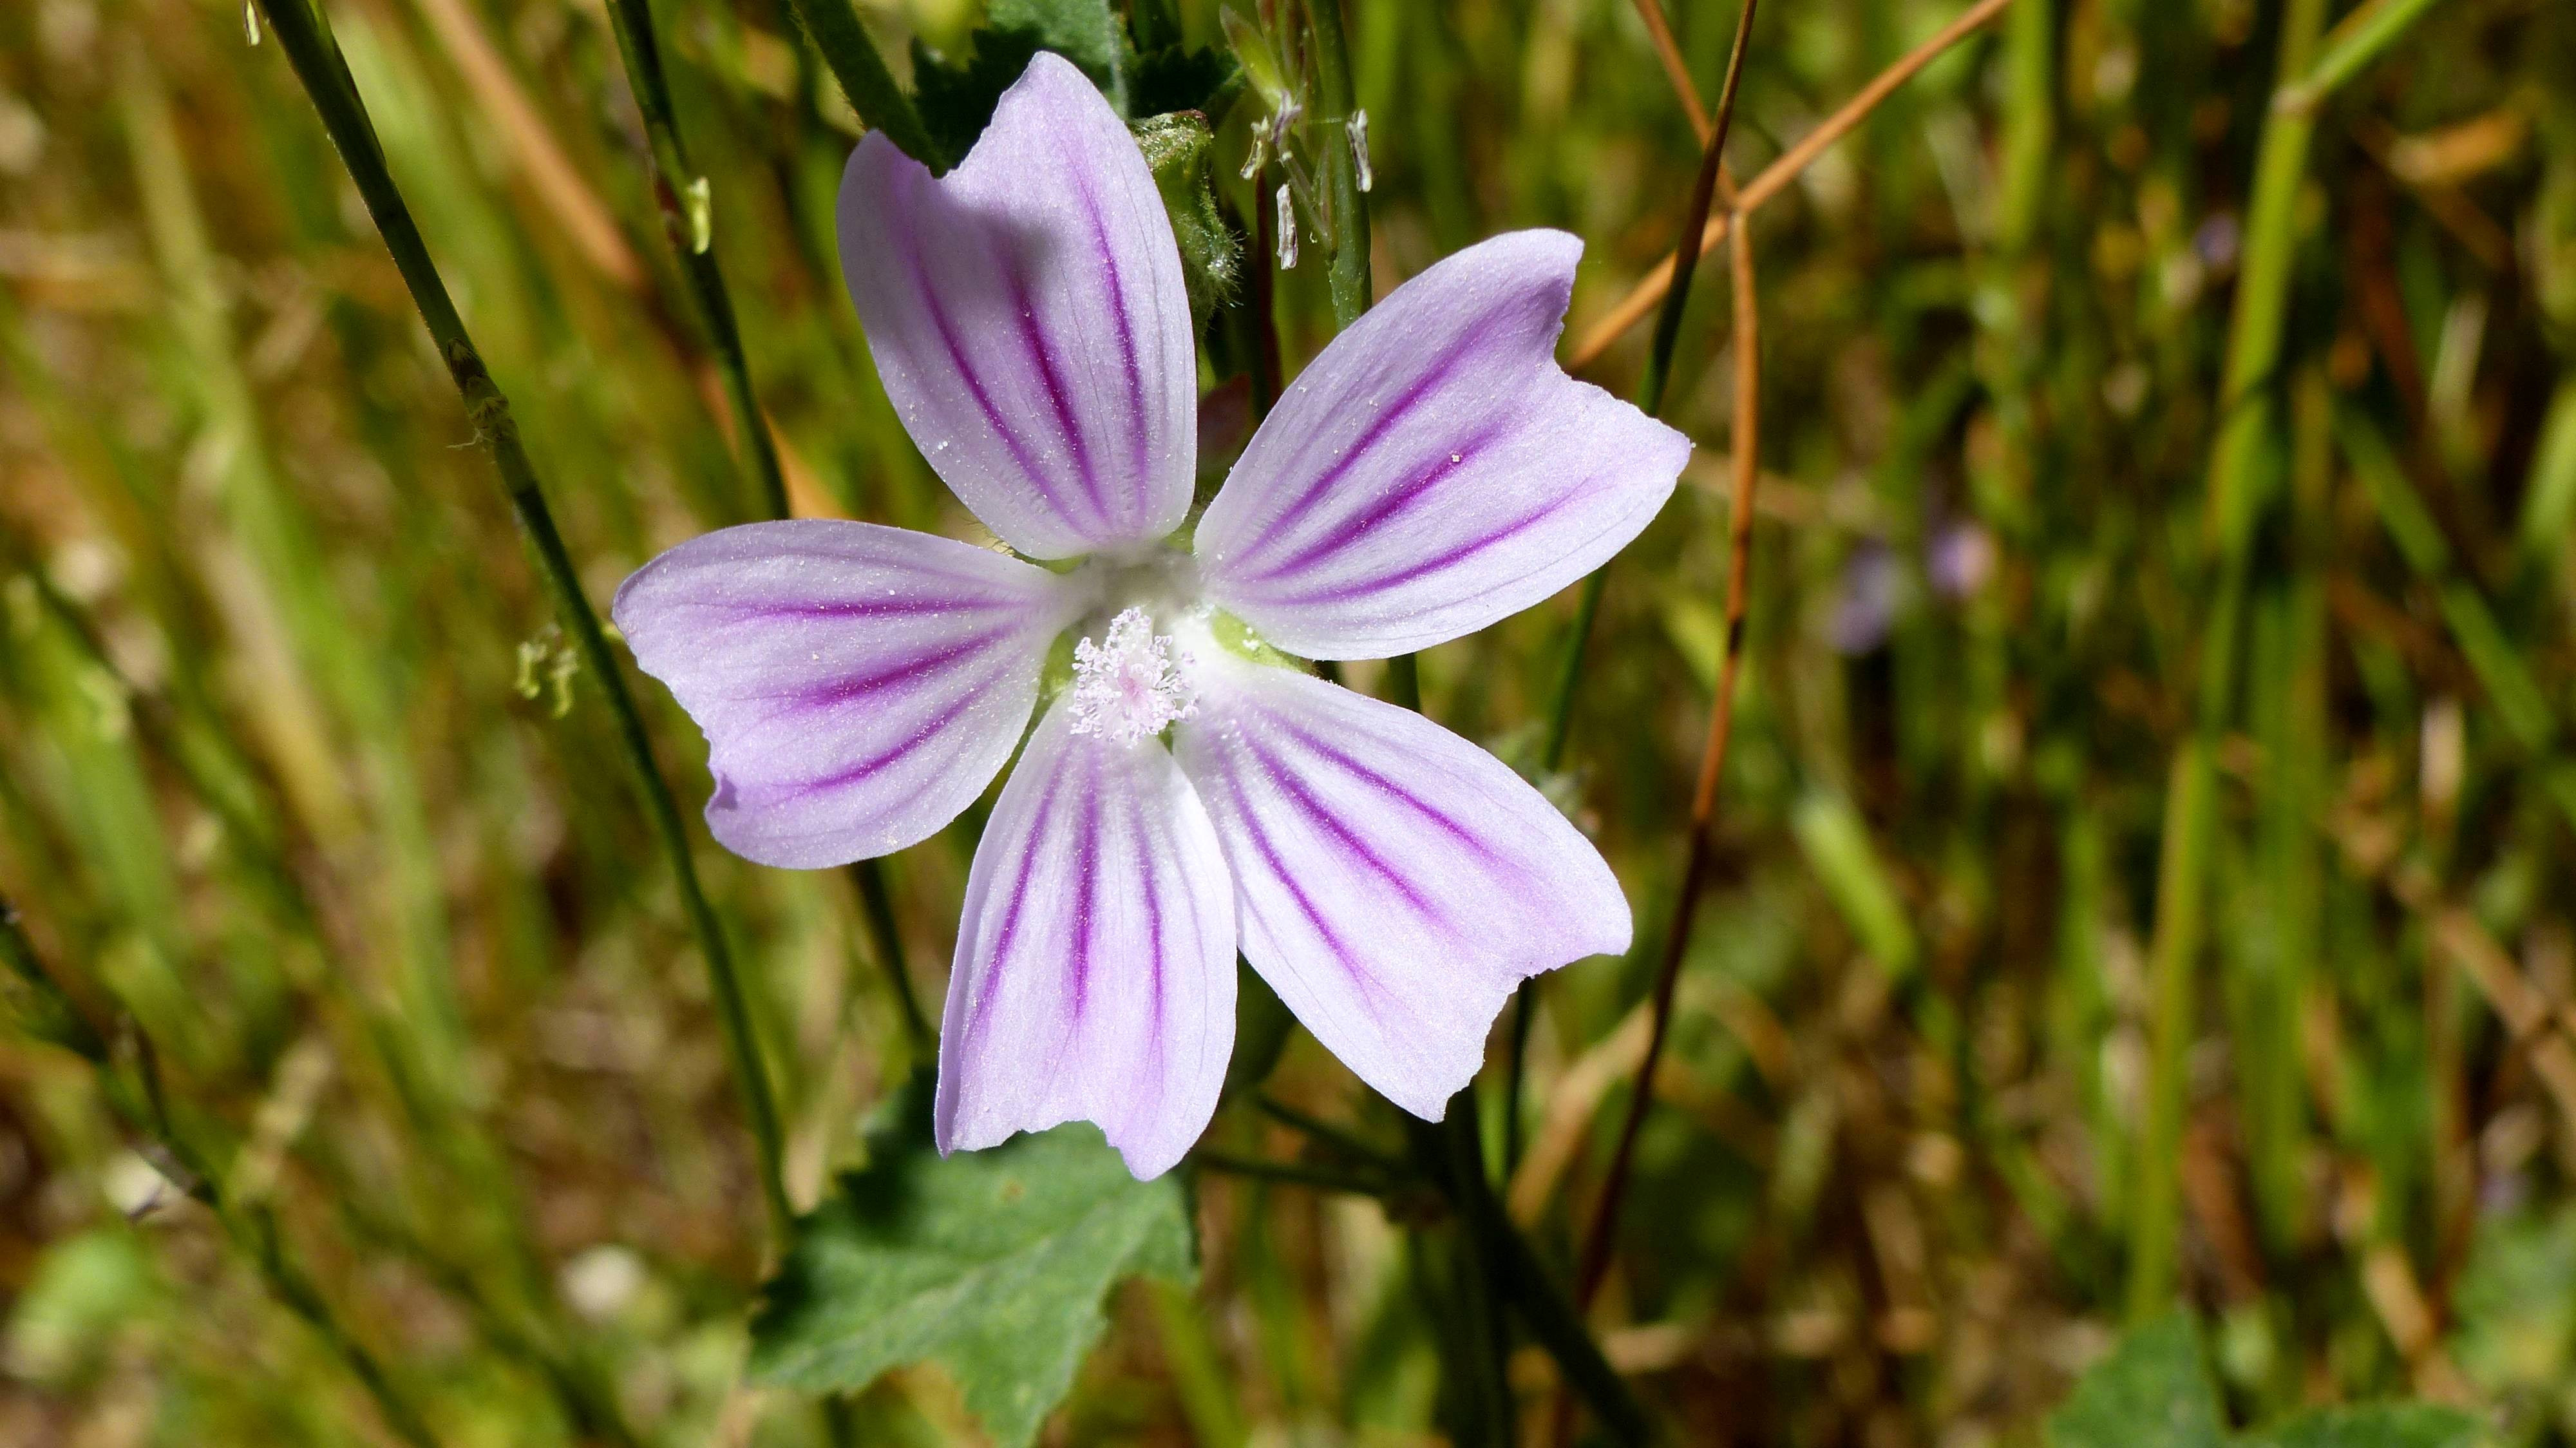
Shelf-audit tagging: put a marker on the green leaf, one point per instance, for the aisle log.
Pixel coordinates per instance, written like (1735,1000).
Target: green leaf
(956,98)
(1086,32)
(1183,78)
(2402,1426)
(993,1263)
(2151,1392)
(2516,1303)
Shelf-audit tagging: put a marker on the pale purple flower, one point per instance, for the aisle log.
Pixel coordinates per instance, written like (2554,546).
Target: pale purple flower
(1188,790)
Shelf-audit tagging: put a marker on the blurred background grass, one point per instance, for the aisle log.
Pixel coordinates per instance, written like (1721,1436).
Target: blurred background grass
(294,770)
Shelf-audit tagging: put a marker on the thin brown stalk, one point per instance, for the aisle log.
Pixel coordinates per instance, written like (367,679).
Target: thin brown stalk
(584,217)
(1669,51)
(1594,1262)
(1775,178)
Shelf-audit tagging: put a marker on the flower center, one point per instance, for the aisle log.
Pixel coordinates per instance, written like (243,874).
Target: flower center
(1126,687)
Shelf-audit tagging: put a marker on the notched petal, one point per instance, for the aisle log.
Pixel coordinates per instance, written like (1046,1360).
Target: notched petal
(1394,881)
(1029,319)
(1434,469)
(858,685)
(1094,977)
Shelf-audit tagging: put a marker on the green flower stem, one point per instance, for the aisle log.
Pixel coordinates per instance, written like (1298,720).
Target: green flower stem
(318,65)
(684,223)
(1302,1174)
(1452,1153)
(678,193)
(2360,38)
(46,1012)
(1348,270)
(1327,1133)
(2249,436)
(852,55)
(870,878)
(2512,686)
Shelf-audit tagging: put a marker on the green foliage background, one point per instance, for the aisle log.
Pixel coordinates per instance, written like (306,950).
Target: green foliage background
(2143,875)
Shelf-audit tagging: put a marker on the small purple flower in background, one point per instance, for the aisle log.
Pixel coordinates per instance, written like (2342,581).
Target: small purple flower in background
(1960,559)
(1873,585)
(1187,791)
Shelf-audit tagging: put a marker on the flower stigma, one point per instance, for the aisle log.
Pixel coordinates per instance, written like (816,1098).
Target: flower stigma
(1127,687)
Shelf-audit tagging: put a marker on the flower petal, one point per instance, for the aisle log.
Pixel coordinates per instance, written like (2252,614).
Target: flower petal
(858,685)
(1395,881)
(1094,977)
(1028,318)
(1435,470)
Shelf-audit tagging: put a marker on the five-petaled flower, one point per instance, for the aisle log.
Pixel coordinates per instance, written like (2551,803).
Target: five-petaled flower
(1188,791)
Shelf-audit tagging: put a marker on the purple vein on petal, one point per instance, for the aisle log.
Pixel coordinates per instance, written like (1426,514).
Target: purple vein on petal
(979,1014)
(853,773)
(1397,499)
(1449,558)
(1024,314)
(1414,394)
(1144,837)
(1086,870)
(1138,432)
(1437,817)
(914,607)
(1350,839)
(1370,989)
(909,242)
(911,670)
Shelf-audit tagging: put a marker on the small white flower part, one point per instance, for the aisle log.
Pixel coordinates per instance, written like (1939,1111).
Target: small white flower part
(1358,128)
(1287,230)
(1125,688)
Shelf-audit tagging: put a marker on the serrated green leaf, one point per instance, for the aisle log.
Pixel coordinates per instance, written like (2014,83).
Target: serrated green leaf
(2400,1426)
(2151,1392)
(992,1263)
(1087,32)
(1183,78)
(956,98)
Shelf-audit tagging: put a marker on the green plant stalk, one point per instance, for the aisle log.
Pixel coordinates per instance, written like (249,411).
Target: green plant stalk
(878,904)
(316,62)
(679,193)
(2511,685)
(2549,500)
(2030,126)
(2291,715)
(2248,442)
(49,1014)
(685,224)
(1451,1154)
(861,70)
(1300,1174)
(1200,1377)
(2362,37)
(1348,268)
